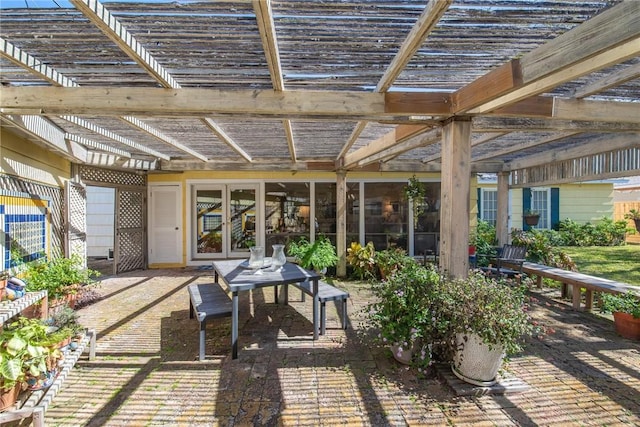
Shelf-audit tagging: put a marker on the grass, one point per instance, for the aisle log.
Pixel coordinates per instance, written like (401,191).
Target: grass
(619,263)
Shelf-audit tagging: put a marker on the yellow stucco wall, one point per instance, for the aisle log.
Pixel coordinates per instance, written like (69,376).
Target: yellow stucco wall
(22,158)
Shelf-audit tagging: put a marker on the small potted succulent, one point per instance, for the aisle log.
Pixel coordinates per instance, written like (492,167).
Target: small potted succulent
(626,313)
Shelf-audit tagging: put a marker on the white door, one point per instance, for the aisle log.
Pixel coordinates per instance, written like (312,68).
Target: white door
(165,233)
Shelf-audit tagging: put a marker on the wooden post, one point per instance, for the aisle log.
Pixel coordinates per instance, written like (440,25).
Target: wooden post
(502,218)
(341,219)
(455,189)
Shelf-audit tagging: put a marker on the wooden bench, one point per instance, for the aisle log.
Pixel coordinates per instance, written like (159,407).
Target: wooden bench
(207,301)
(578,281)
(326,292)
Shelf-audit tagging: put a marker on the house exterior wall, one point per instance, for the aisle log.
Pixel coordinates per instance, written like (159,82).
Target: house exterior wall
(22,158)
(189,178)
(583,203)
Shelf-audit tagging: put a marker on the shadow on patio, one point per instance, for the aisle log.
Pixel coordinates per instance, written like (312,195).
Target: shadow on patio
(146,370)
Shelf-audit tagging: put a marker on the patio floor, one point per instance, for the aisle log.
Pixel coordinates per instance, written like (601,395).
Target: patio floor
(146,371)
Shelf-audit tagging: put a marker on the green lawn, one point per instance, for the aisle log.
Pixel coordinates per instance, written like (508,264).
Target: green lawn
(620,263)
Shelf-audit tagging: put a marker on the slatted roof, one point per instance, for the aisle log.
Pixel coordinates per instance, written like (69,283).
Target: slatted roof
(326,85)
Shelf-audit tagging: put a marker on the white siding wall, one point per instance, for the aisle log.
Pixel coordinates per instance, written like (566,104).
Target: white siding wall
(100,220)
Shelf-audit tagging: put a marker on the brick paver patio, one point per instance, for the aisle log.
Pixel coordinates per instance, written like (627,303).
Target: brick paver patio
(146,371)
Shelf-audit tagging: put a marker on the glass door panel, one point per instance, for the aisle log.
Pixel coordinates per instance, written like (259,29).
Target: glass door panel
(209,222)
(242,220)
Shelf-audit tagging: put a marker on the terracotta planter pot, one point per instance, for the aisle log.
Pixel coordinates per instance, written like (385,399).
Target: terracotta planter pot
(626,325)
(9,397)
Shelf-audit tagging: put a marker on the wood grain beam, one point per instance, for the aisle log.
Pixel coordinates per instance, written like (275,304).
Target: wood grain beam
(602,111)
(139,124)
(288,131)
(112,135)
(490,136)
(609,38)
(523,145)
(510,124)
(629,73)
(227,139)
(139,101)
(387,147)
(266,27)
(427,21)
(599,144)
(423,105)
(95,12)
(97,145)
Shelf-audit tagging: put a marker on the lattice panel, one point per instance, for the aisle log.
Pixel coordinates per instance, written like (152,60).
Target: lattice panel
(116,177)
(131,209)
(131,251)
(55,197)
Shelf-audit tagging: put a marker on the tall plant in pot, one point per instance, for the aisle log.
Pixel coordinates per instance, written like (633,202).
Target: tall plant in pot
(319,255)
(479,317)
(401,311)
(626,313)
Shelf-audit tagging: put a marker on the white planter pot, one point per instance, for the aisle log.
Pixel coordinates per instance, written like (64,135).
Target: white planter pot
(474,362)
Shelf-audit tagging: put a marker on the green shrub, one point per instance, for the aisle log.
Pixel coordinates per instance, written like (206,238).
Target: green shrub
(541,250)
(362,259)
(485,241)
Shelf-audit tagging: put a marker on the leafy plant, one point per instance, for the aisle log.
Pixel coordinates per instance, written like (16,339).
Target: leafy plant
(23,351)
(485,241)
(625,303)
(529,212)
(489,308)
(59,276)
(362,259)
(415,191)
(318,255)
(540,249)
(402,310)
(390,260)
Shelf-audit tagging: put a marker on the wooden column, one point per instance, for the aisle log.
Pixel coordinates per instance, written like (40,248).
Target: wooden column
(341,219)
(502,215)
(455,189)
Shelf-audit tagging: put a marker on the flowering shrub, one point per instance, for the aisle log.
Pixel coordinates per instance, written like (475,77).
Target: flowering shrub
(403,309)
(491,309)
(418,308)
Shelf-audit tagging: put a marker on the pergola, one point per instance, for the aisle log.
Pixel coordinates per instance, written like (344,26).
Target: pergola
(537,92)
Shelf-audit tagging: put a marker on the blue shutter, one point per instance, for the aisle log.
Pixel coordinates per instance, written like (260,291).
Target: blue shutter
(479,203)
(526,205)
(555,208)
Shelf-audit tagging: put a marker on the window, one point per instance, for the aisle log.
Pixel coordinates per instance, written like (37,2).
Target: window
(489,206)
(540,202)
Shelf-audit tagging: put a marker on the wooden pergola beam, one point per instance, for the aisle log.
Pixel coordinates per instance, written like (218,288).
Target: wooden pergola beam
(629,73)
(608,38)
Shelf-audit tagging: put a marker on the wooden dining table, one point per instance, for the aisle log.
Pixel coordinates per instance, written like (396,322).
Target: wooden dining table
(237,277)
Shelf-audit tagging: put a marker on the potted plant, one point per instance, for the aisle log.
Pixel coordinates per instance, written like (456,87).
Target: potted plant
(402,310)
(319,255)
(481,321)
(61,277)
(25,353)
(415,191)
(531,218)
(626,313)
(634,214)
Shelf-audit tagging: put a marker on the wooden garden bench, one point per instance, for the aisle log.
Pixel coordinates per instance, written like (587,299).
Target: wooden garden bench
(326,292)
(578,281)
(207,301)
